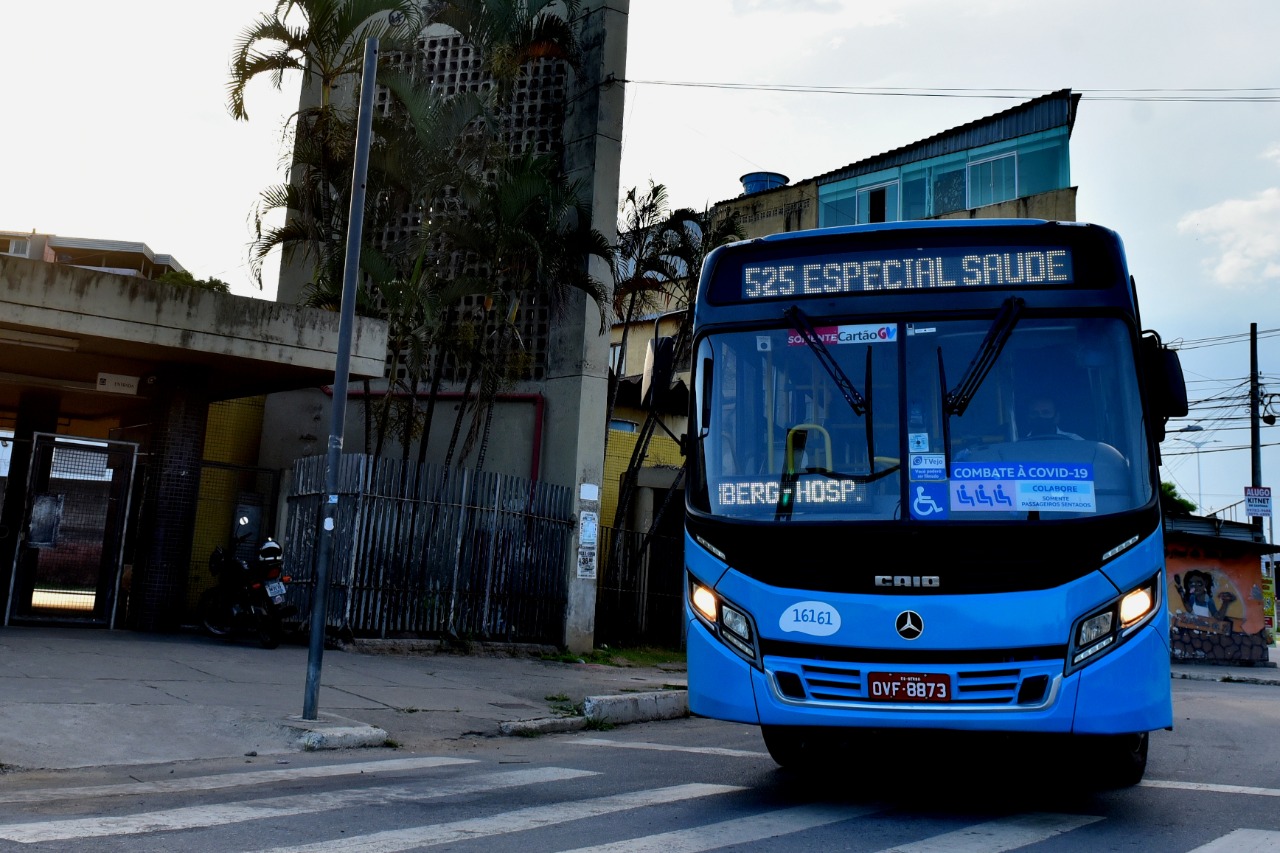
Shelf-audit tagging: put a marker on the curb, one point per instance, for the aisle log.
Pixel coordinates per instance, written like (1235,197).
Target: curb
(637,707)
(546,725)
(334,732)
(1226,678)
(614,710)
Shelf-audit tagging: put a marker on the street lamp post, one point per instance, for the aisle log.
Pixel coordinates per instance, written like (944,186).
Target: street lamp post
(1197,444)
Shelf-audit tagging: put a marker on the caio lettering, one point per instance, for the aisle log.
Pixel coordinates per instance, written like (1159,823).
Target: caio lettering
(913,581)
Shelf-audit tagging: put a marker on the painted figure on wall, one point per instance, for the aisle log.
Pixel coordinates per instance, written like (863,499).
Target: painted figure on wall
(1196,591)
(1213,590)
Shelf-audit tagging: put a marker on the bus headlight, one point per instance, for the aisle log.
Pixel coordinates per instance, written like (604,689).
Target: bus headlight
(730,624)
(1136,605)
(1104,629)
(704,601)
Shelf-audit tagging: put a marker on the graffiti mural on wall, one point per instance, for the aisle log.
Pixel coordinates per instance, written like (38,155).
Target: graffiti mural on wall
(1215,604)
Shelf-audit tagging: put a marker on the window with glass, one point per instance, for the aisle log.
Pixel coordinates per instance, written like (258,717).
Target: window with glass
(878,204)
(13,246)
(876,421)
(993,180)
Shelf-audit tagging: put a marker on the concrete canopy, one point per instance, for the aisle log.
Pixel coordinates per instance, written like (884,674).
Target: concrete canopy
(63,328)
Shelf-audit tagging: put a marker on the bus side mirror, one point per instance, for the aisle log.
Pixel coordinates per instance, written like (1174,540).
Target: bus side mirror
(659,368)
(1165,383)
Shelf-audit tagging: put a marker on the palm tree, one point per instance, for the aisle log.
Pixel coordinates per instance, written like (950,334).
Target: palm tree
(646,275)
(325,46)
(323,40)
(529,232)
(686,242)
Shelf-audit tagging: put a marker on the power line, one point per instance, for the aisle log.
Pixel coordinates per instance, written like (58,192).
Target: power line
(1239,338)
(1203,95)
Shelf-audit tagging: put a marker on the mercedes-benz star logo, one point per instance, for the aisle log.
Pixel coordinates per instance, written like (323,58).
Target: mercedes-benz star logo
(909,625)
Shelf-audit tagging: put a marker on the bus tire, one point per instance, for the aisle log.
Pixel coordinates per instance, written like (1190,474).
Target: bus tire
(1120,760)
(795,747)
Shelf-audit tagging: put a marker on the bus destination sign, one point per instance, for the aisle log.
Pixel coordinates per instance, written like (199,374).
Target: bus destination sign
(907,269)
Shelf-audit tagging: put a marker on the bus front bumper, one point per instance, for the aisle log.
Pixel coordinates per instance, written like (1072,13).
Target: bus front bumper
(1125,691)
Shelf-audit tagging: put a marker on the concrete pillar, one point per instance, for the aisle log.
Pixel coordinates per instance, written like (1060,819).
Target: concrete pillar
(37,412)
(577,375)
(162,549)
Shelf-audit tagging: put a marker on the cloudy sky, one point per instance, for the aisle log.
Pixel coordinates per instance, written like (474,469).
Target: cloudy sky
(117,129)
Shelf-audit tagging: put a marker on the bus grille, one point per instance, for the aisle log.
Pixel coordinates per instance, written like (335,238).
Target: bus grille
(837,682)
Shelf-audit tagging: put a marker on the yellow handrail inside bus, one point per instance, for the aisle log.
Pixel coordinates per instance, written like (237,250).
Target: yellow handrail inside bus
(791,434)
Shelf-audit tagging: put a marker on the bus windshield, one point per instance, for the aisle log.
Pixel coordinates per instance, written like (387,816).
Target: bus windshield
(934,420)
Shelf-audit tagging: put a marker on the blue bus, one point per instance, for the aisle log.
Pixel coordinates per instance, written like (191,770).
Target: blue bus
(923,489)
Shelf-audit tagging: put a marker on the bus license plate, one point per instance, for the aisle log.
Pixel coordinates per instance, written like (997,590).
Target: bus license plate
(908,687)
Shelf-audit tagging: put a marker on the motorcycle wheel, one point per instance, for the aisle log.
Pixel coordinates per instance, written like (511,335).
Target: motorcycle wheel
(270,631)
(215,613)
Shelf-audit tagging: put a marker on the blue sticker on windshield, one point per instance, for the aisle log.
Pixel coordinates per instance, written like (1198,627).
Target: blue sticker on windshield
(929,501)
(1021,487)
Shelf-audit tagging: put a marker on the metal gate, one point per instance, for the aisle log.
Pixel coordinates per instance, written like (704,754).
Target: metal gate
(70,558)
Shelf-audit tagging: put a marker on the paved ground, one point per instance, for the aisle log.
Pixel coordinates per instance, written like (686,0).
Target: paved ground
(80,698)
(76,698)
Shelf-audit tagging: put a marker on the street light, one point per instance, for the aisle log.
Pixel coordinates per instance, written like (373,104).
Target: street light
(1197,445)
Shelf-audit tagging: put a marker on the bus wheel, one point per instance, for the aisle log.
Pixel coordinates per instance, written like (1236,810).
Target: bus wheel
(795,747)
(1119,760)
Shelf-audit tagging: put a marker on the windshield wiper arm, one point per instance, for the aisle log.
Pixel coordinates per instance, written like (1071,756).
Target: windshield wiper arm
(958,398)
(800,322)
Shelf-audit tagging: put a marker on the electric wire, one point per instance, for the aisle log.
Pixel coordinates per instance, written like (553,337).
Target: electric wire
(1190,95)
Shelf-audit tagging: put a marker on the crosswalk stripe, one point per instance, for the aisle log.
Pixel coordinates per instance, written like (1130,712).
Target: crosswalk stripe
(228,780)
(662,747)
(198,817)
(1243,841)
(994,836)
(1211,787)
(396,840)
(738,831)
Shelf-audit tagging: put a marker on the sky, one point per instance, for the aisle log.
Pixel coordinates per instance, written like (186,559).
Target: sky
(118,129)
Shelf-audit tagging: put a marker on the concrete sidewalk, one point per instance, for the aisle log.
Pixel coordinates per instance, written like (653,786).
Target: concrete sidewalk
(80,698)
(83,698)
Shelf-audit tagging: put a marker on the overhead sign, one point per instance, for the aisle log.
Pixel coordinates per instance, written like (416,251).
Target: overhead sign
(115,383)
(1257,501)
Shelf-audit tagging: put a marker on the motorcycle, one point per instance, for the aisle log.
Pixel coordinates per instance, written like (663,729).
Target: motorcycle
(249,594)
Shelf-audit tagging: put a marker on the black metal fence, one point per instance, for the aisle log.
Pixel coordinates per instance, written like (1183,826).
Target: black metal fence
(640,592)
(433,551)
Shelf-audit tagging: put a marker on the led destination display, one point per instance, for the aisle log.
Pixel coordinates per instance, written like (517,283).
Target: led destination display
(908,269)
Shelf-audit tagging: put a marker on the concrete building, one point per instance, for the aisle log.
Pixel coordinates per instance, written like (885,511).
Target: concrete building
(550,423)
(105,391)
(119,257)
(1013,164)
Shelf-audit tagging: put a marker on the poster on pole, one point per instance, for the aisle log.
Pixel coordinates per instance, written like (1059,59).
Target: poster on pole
(1257,501)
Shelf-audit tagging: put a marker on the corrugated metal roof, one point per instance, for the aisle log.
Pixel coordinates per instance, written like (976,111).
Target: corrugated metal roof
(101,245)
(1046,112)
(1211,527)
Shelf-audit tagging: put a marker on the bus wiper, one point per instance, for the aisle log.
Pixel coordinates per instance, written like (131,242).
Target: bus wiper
(800,322)
(957,399)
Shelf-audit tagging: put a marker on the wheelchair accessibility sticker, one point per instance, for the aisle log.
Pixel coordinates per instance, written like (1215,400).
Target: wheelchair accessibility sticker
(1021,487)
(929,501)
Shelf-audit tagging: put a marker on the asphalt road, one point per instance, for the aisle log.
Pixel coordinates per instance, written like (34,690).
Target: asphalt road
(683,785)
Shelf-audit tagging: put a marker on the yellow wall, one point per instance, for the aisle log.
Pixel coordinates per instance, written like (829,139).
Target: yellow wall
(662,451)
(231,436)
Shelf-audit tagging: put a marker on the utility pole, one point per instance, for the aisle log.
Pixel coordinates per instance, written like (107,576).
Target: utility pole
(342,371)
(1255,431)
